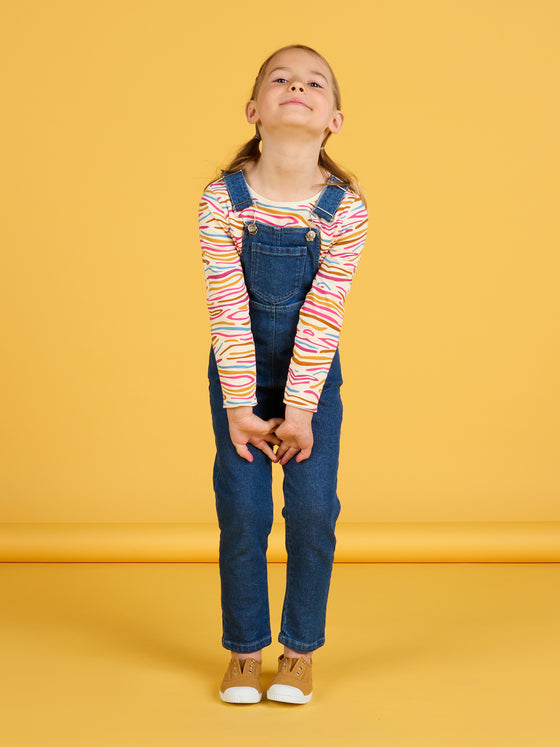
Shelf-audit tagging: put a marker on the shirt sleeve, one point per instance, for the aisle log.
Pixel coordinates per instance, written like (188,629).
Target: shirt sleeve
(321,315)
(228,304)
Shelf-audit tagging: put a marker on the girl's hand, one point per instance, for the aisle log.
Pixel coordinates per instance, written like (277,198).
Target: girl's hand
(296,435)
(245,427)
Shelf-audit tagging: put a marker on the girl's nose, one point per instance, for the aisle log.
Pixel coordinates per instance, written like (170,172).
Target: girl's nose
(296,87)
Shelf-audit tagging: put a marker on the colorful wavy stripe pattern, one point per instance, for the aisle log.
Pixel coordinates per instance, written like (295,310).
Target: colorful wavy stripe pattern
(320,320)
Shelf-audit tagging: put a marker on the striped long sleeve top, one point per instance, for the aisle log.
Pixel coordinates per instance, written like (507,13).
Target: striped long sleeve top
(320,319)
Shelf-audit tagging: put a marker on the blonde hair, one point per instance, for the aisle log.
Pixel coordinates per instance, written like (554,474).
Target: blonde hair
(250,151)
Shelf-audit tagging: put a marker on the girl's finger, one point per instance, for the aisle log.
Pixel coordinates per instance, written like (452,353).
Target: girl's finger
(304,454)
(288,455)
(274,423)
(265,448)
(244,452)
(282,449)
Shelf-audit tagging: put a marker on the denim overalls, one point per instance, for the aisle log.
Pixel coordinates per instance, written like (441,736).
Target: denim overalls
(279,264)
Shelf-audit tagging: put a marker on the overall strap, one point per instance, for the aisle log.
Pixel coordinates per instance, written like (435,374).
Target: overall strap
(326,206)
(238,191)
(332,196)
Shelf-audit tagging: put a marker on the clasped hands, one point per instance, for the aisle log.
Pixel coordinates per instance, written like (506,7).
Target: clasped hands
(292,435)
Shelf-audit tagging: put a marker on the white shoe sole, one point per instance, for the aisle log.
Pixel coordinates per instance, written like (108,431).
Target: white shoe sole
(287,694)
(241,695)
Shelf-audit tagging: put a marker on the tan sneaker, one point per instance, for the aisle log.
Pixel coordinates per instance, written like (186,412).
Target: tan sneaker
(293,683)
(242,681)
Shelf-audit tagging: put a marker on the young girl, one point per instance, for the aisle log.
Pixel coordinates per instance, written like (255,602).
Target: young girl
(281,232)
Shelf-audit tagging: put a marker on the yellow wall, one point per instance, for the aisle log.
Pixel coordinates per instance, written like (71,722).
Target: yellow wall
(119,112)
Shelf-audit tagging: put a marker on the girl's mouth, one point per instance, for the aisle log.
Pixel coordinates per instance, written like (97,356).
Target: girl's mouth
(296,101)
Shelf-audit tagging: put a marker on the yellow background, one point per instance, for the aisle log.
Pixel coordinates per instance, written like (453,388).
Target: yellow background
(118,113)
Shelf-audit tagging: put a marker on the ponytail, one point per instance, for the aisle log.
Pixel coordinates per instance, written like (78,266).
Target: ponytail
(346,177)
(247,153)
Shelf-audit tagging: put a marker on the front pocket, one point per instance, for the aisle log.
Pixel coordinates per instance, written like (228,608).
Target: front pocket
(276,272)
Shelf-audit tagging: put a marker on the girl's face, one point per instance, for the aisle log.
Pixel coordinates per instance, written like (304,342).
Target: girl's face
(296,92)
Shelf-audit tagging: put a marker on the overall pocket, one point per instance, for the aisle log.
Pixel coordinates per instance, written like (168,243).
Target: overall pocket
(276,272)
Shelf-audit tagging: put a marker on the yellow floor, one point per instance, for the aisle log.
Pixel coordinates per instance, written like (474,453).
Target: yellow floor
(119,654)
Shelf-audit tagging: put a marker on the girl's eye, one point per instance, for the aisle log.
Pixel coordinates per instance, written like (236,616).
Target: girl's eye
(285,80)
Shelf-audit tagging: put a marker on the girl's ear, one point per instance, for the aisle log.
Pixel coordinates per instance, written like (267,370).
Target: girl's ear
(251,112)
(336,122)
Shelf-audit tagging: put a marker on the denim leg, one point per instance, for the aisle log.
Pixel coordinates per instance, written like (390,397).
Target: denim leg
(245,512)
(311,508)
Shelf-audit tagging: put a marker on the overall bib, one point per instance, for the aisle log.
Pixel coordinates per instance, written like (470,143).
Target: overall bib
(279,264)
